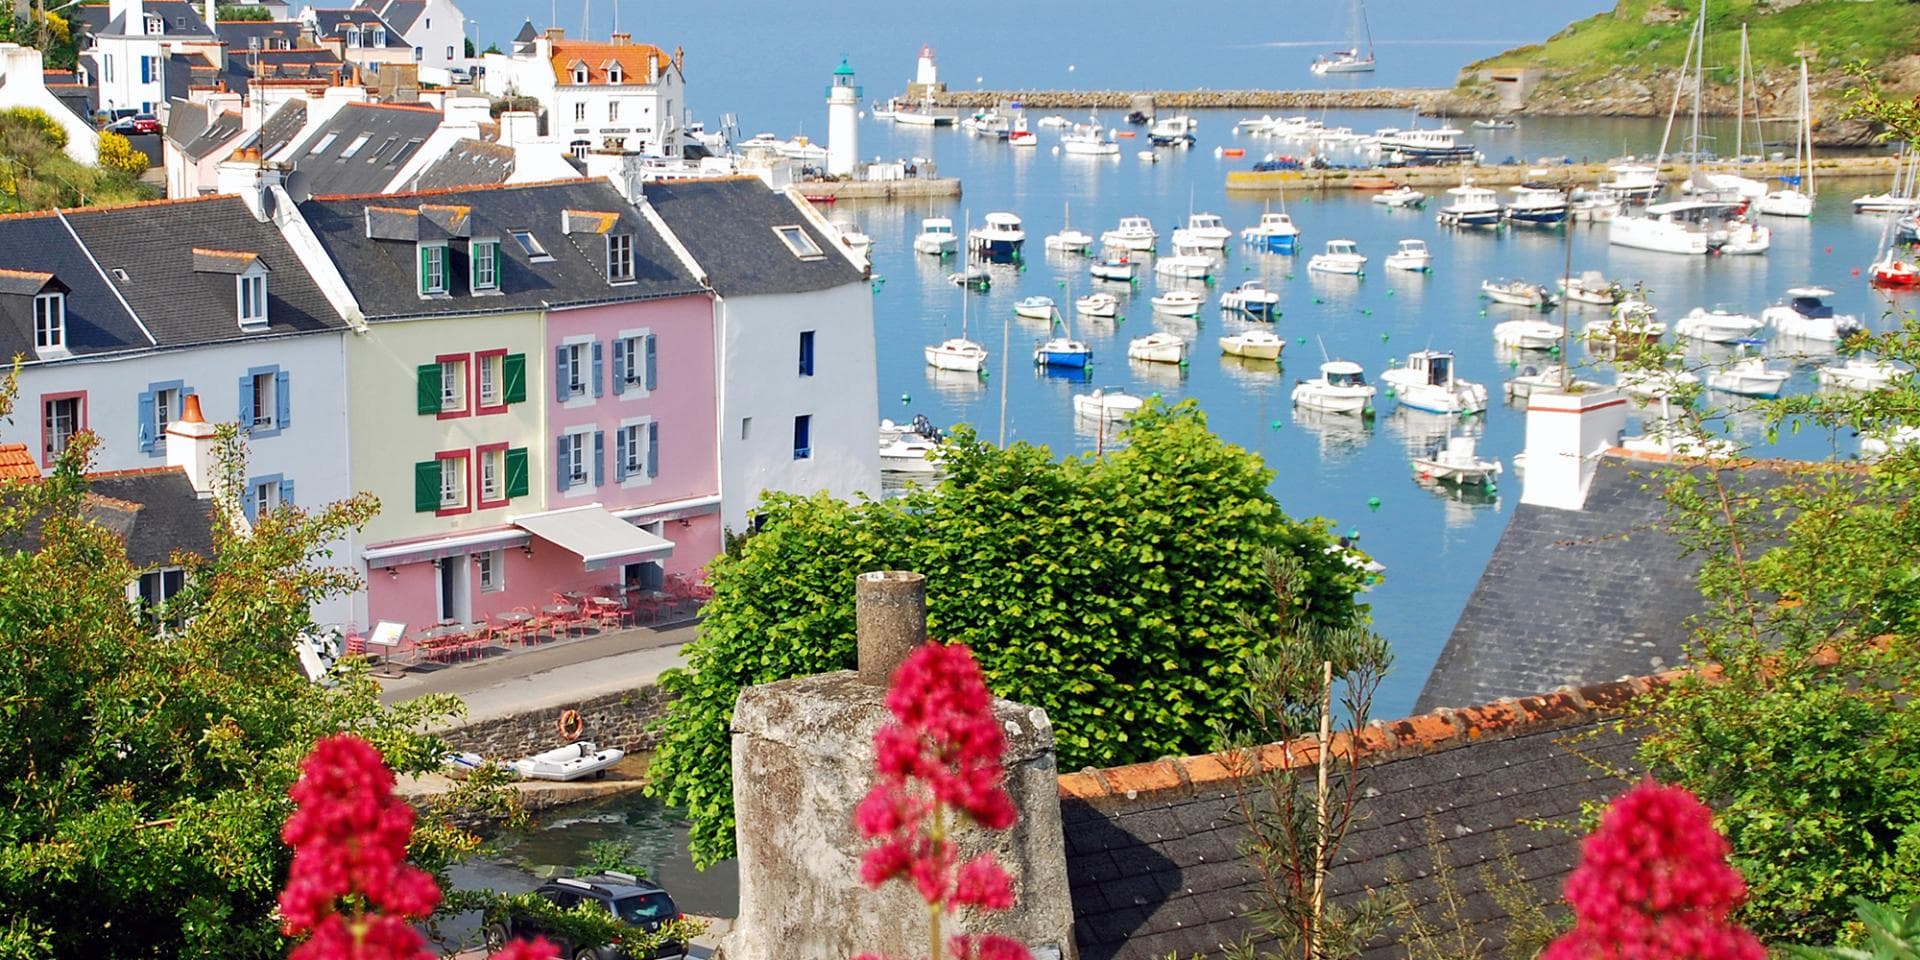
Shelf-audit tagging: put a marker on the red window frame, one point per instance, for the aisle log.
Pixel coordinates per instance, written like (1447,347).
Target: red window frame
(467,507)
(79,427)
(500,387)
(466,389)
(479,490)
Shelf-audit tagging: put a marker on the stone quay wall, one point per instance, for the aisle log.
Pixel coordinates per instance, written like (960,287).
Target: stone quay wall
(623,719)
(1394,98)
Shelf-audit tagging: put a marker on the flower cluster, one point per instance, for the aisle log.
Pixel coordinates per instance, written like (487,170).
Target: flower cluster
(941,756)
(1654,882)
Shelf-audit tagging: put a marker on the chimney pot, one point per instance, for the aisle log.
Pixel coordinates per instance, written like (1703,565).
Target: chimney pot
(890,608)
(190,410)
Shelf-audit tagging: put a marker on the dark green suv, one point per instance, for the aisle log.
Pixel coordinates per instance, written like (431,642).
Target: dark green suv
(634,902)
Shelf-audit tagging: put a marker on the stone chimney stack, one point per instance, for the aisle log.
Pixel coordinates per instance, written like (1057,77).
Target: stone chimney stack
(802,761)
(1566,434)
(190,446)
(245,174)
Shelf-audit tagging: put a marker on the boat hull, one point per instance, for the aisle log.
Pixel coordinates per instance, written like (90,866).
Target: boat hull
(1541,216)
(936,246)
(998,249)
(1234,347)
(1409,262)
(1468,218)
(1164,352)
(1332,401)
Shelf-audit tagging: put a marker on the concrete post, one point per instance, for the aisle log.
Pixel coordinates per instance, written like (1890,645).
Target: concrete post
(890,611)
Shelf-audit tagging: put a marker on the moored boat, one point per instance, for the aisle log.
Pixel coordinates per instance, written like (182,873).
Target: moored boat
(1157,347)
(1457,463)
(1400,197)
(1341,256)
(1102,306)
(1411,255)
(1034,308)
(1748,377)
(1426,381)
(999,238)
(1806,315)
(1250,297)
(1253,345)
(1470,206)
(1531,334)
(1341,387)
(1179,303)
(936,237)
(1121,269)
(1133,233)
(1721,324)
(1107,403)
(1517,293)
(1275,233)
(1860,373)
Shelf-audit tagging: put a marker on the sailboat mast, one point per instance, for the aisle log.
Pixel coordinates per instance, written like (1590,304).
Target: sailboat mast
(1673,109)
(1806,124)
(1740,106)
(1366,28)
(1699,77)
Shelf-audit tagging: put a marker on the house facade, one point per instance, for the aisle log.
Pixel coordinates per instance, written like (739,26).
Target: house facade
(22,84)
(131,44)
(617,95)
(434,29)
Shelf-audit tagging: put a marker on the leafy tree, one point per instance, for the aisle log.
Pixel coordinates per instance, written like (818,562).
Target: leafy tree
(57,44)
(38,121)
(146,778)
(243,13)
(1126,594)
(1888,936)
(35,173)
(118,155)
(469,48)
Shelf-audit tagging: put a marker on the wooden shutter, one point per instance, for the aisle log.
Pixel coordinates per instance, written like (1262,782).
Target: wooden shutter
(562,463)
(426,486)
(283,400)
(513,371)
(286,492)
(619,366)
(561,391)
(620,454)
(653,449)
(598,382)
(517,472)
(599,457)
(145,433)
(652,361)
(425,253)
(428,399)
(246,402)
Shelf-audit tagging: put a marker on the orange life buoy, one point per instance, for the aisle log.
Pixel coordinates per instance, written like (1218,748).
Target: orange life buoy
(571,725)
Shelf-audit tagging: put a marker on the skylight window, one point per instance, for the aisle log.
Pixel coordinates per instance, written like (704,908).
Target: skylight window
(325,142)
(384,147)
(406,150)
(799,242)
(354,147)
(531,245)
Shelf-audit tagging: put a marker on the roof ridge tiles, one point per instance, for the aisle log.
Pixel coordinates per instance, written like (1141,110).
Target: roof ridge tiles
(134,472)
(447,191)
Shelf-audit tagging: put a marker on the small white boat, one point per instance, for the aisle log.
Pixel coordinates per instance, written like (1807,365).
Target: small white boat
(1899,438)
(1062,352)
(1517,293)
(936,237)
(1722,324)
(1343,61)
(976,277)
(1885,203)
(1859,373)
(957,353)
(1120,269)
(1275,233)
(1148,156)
(1157,347)
(1034,308)
(1807,316)
(1253,345)
(1089,141)
(1069,240)
(1176,131)
(1341,256)
(1495,123)
(910,447)
(1133,233)
(1342,387)
(1000,238)
(1594,207)
(1400,197)
(1250,297)
(1107,403)
(854,240)
(1470,206)
(1426,381)
(571,762)
(1104,306)
(1206,230)
(1748,377)
(1411,255)
(1053,122)
(1185,263)
(1636,328)
(1531,380)
(1457,463)
(1655,384)
(1019,135)
(1592,287)
(1531,334)
(1789,202)
(1179,303)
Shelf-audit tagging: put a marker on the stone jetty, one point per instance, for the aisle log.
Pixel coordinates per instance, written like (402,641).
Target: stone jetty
(912,188)
(1500,175)
(1384,97)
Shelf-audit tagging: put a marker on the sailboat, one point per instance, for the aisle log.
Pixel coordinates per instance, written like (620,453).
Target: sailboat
(1349,60)
(1069,240)
(1730,186)
(1796,200)
(1063,351)
(958,353)
(1890,270)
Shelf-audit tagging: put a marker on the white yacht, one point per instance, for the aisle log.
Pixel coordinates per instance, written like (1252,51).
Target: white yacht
(1632,182)
(1069,240)
(1411,255)
(1529,334)
(1133,233)
(1531,380)
(1592,286)
(1102,306)
(1275,233)
(1185,263)
(1517,293)
(1885,203)
(1343,61)
(1341,256)
(1253,345)
(1034,308)
(1117,269)
(1208,230)
(1000,238)
(1251,297)
(1341,387)
(1179,303)
(1157,347)
(1748,377)
(910,447)
(936,237)
(1859,373)
(957,353)
(1457,463)
(1807,316)
(1470,206)
(1089,141)
(1053,122)
(1424,145)
(1678,226)
(1107,403)
(1722,324)
(1400,197)
(1426,381)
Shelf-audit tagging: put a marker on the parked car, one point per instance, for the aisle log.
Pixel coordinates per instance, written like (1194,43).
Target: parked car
(460,74)
(637,903)
(138,123)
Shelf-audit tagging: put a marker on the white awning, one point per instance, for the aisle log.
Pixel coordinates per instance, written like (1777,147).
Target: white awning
(599,537)
(439,548)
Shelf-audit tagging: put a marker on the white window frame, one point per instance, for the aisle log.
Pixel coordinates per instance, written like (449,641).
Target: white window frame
(613,111)
(615,75)
(579,362)
(489,369)
(620,254)
(491,280)
(531,245)
(493,475)
(164,402)
(580,149)
(353,38)
(579,75)
(434,284)
(378,37)
(58,441)
(636,427)
(799,242)
(453,386)
(488,570)
(266,497)
(50,322)
(251,288)
(453,481)
(265,403)
(354,147)
(581,440)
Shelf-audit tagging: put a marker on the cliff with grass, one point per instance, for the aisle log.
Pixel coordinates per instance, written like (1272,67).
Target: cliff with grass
(1626,62)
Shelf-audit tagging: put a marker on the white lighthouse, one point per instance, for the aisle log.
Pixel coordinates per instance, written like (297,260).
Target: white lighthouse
(928,75)
(843,129)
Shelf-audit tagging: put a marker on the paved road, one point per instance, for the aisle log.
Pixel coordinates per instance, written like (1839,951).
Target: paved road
(551,676)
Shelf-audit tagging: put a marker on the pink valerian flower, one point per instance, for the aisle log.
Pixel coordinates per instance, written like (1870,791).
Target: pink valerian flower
(536,949)
(938,761)
(1654,883)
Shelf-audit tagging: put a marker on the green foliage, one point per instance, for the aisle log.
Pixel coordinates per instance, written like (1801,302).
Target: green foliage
(38,121)
(35,173)
(587,925)
(147,777)
(1889,935)
(59,49)
(604,856)
(118,155)
(1452,935)
(242,13)
(1124,594)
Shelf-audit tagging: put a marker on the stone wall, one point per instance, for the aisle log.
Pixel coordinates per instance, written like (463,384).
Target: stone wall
(623,719)
(1166,100)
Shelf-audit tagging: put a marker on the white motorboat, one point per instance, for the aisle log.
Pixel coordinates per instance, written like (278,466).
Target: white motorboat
(571,762)
(1400,197)
(1430,145)
(1101,306)
(1859,373)
(1530,334)
(1722,324)
(1121,269)
(1659,384)
(1495,123)
(1034,308)
(1632,324)
(1253,345)
(1470,206)
(1517,293)
(999,238)
(936,237)
(1592,287)
(1885,203)
(1053,122)
(1157,347)
(1106,403)
(1089,141)
(1746,237)
(1019,135)
(1426,381)
(1632,182)
(1807,316)
(1251,297)
(1531,380)
(854,240)
(1341,256)
(1179,303)
(957,353)
(988,122)
(1680,226)
(883,110)
(1185,263)
(911,447)
(1595,207)
(1411,255)
(1069,240)
(1062,352)
(1457,463)
(1275,233)
(1536,204)
(1174,131)
(1133,233)
(1341,387)
(976,277)
(1149,156)
(1899,438)
(1206,230)
(1748,377)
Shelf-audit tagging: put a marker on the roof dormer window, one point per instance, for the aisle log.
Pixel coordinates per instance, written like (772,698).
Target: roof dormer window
(613,73)
(433,270)
(483,266)
(353,37)
(377,38)
(50,322)
(252,290)
(156,25)
(620,258)
(580,73)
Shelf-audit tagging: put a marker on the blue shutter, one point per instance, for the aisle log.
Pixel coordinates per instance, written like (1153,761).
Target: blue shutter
(286,492)
(599,457)
(246,402)
(282,396)
(652,361)
(563,463)
(597,381)
(146,422)
(619,366)
(619,452)
(250,505)
(653,449)
(560,374)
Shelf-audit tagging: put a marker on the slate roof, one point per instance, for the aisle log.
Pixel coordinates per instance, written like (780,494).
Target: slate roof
(239,35)
(310,63)
(180,300)
(727,225)
(281,126)
(1154,865)
(1573,597)
(77,98)
(382,273)
(467,163)
(154,511)
(333,24)
(182,18)
(400,13)
(185,121)
(220,132)
(393,134)
(97,322)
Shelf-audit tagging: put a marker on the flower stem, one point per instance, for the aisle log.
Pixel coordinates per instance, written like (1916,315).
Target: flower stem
(936,950)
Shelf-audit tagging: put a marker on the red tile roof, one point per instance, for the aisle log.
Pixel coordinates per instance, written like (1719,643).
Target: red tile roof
(632,57)
(16,462)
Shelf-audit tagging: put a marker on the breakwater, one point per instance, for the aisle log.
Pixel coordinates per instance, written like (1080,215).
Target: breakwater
(1384,97)
(911,188)
(1573,174)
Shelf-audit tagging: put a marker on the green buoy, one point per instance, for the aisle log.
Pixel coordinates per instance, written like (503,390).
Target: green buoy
(905,399)
(1373,503)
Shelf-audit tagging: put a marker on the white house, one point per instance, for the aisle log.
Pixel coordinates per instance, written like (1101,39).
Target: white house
(23,85)
(435,29)
(616,95)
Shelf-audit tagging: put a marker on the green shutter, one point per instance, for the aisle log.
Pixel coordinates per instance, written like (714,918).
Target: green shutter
(429,391)
(517,472)
(425,253)
(513,370)
(426,486)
